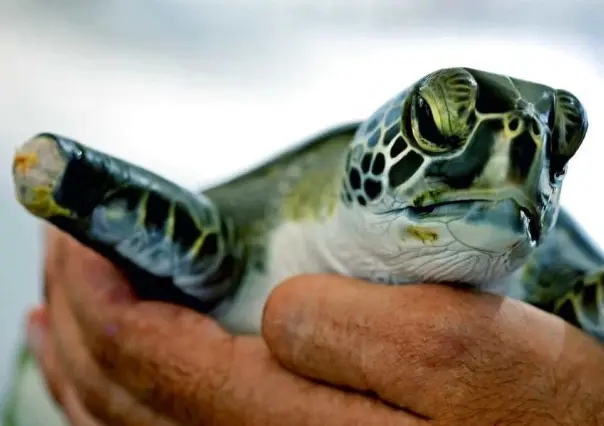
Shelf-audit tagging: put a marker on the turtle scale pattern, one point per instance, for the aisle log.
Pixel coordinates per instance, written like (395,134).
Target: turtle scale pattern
(456,178)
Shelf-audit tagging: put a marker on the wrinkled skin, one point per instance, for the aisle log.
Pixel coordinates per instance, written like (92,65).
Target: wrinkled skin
(112,360)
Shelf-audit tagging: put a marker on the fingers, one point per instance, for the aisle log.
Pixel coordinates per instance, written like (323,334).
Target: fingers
(41,342)
(112,404)
(102,398)
(44,351)
(427,348)
(184,365)
(200,374)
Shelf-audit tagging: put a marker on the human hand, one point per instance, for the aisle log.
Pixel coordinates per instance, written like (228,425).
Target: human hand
(453,356)
(431,355)
(110,359)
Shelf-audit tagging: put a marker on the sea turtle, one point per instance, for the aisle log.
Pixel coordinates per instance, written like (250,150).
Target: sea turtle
(457,178)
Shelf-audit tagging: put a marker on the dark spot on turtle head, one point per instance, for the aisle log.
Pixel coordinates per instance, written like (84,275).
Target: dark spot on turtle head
(366,163)
(390,134)
(361,200)
(514,124)
(379,163)
(462,170)
(494,95)
(403,169)
(535,127)
(372,188)
(399,146)
(355,178)
(522,155)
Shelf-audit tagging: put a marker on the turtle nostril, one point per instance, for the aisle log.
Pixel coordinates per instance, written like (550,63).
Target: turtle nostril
(513,124)
(522,156)
(535,127)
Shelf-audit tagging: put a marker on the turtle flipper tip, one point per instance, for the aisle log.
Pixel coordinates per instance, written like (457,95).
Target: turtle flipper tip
(37,168)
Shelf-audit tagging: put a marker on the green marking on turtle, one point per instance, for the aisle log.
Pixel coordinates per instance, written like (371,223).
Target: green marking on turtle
(456,178)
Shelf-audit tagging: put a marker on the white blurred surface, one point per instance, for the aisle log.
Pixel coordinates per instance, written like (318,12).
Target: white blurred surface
(199,126)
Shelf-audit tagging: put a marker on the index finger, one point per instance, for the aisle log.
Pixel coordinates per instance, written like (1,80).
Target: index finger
(433,349)
(186,366)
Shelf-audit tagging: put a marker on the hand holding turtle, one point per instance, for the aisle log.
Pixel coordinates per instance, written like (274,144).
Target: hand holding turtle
(111,359)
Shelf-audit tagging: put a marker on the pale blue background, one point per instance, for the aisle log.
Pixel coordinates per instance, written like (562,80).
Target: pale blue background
(199,90)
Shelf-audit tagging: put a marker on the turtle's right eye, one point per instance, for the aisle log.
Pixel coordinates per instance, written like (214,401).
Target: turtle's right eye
(425,120)
(425,127)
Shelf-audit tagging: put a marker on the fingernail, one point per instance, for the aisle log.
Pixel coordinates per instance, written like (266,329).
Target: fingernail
(35,329)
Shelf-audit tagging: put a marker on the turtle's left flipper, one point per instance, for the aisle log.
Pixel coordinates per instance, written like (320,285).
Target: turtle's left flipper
(565,276)
(173,244)
(583,305)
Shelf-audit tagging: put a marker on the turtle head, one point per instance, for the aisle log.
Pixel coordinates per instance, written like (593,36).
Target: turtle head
(466,159)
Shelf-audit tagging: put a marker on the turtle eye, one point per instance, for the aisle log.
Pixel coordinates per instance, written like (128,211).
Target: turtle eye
(426,128)
(567,132)
(425,120)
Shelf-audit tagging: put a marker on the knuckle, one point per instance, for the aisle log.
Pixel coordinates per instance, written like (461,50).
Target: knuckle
(172,392)
(435,342)
(443,328)
(105,352)
(207,394)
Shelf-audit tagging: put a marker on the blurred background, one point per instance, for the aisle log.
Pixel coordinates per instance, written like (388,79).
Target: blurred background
(200,90)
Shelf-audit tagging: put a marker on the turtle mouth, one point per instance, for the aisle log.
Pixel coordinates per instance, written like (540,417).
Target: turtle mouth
(446,208)
(477,196)
(460,204)
(434,207)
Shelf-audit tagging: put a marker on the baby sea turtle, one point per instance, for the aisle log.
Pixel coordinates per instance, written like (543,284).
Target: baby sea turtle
(457,178)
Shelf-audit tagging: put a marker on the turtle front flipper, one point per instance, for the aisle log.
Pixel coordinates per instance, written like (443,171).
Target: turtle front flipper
(565,276)
(583,305)
(173,244)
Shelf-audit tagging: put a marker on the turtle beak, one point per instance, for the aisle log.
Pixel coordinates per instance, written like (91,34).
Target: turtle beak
(525,154)
(532,223)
